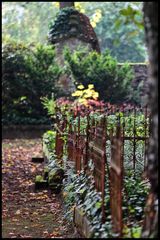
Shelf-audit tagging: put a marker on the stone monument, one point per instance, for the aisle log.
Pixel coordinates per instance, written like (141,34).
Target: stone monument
(72,29)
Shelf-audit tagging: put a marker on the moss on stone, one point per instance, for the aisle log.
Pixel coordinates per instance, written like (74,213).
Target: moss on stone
(55,175)
(39,178)
(71,23)
(40,183)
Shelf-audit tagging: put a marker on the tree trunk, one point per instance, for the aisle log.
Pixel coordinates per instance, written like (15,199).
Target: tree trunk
(66,4)
(150,10)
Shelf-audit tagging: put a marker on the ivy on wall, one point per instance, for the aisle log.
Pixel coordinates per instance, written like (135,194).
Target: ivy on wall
(71,23)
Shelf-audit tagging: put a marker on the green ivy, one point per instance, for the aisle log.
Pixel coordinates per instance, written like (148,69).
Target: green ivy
(49,144)
(60,27)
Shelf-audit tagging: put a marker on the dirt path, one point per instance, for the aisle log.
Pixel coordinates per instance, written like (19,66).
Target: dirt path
(26,213)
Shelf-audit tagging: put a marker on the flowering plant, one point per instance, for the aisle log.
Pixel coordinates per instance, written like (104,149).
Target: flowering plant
(84,95)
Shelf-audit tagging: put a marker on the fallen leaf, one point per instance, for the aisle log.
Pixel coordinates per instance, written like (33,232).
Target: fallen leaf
(17,212)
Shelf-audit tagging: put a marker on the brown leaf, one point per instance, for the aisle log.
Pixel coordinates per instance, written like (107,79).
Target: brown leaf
(18,212)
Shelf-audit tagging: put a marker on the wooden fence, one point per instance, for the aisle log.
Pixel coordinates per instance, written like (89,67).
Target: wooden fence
(91,144)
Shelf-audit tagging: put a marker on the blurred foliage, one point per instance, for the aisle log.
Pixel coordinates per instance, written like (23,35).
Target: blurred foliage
(118,25)
(120,29)
(28,73)
(112,82)
(27,21)
(29,70)
(50,105)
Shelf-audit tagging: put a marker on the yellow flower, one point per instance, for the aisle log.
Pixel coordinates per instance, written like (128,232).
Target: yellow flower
(87,96)
(93,24)
(90,86)
(95,95)
(88,93)
(98,11)
(78,6)
(97,16)
(80,87)
(84,94)
(82,10)
(56,4)
(77,93)
(83,101)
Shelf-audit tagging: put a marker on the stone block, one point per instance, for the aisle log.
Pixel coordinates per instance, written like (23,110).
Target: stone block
(82,223)
(56,175)
(40,183)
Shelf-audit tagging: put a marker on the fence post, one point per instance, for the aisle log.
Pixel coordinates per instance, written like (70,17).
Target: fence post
(103,169)
(78,150)
(116,178)
(70,143)
(87,142)
(134,141)
(59,145)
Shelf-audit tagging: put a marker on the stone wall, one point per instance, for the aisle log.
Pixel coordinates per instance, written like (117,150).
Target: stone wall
(140,71)
(140,79)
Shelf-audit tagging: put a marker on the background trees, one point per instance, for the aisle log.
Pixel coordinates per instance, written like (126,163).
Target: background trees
(29,22)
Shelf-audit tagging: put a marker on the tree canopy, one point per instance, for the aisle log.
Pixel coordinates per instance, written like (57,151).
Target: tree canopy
(118,25)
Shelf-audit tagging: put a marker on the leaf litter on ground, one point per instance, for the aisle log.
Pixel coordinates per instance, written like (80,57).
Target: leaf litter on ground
(26,213)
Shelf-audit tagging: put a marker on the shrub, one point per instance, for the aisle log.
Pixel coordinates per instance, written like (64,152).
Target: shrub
(28,73)
(112,82)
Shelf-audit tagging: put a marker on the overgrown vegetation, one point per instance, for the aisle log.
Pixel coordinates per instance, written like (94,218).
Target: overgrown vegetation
(30,75)
(29,72)
(112,82)
(79,188)
(116,31)
(31,90)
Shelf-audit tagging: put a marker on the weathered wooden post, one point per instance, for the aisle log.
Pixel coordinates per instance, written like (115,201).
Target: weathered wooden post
(116,179)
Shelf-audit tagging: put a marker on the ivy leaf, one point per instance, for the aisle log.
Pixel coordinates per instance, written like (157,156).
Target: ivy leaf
(98,205)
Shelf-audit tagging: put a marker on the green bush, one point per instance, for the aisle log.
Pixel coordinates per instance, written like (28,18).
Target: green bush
(29,72)
(111,81)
